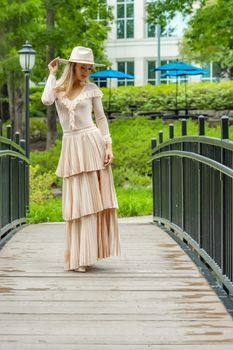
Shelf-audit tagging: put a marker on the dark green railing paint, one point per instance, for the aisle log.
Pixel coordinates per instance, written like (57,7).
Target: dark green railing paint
(13,184)
(192,178)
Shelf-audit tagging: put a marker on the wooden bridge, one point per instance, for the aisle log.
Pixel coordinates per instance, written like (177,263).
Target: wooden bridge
(152,297)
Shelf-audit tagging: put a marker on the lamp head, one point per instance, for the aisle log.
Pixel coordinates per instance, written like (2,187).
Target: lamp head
(27,57)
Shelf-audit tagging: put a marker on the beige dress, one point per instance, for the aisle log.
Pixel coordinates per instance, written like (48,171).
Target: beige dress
(89,203)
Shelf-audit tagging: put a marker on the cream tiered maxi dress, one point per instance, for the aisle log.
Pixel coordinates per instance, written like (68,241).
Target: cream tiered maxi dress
(89,203)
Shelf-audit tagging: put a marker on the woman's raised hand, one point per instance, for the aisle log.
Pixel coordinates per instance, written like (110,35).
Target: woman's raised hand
(53,66)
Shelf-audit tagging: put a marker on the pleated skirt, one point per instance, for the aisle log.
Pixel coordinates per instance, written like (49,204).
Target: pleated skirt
(89,203)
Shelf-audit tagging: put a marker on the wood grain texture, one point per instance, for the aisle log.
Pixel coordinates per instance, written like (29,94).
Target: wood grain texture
(152,297)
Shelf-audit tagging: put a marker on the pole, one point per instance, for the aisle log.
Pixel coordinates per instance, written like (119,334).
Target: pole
(26,76)
(110,95)
(27,112)
(158,29)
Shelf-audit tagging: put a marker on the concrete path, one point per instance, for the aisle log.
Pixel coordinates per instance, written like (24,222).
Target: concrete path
(152,297)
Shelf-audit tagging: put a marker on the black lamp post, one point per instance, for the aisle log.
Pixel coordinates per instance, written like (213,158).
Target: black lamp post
(27,60)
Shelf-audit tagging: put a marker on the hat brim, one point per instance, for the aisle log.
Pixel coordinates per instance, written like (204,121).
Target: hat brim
(62,60)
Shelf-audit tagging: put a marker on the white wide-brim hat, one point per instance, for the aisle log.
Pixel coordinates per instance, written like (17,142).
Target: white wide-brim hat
(81,54)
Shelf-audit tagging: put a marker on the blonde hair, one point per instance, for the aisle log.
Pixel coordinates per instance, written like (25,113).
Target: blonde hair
(66,81)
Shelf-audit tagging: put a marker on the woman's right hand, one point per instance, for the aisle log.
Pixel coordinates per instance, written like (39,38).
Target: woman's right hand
(53,66)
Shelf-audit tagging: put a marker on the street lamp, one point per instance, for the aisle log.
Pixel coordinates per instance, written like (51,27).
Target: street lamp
(27,60)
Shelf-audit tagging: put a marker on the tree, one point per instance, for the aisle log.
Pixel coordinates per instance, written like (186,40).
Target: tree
(209,36)
(16,24)
(209,33)
(53,27)
(161,11)
(69,23)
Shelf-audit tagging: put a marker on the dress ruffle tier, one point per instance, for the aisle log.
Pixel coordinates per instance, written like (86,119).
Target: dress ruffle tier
(82,150)
(89,200)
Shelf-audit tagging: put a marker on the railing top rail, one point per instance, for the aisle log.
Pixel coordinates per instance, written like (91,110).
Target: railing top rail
(199,139)
(14,154)
(12,143)
(194,156)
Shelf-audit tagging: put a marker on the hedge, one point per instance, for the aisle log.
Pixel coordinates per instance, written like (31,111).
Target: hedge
(217,96)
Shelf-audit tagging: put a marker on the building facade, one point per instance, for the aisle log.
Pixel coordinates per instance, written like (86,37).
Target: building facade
(132,44)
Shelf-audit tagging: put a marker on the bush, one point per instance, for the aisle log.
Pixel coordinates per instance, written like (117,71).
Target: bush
(38,129)
(40,184)
(37,109)
(149,97)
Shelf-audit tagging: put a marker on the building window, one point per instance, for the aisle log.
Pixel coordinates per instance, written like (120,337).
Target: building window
(126,67)
(101,82)
(102,6)
(151,75)
(165,31)
(125,19)
(174,27)
(214,72)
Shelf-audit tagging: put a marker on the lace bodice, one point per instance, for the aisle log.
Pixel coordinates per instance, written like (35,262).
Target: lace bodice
(77,113)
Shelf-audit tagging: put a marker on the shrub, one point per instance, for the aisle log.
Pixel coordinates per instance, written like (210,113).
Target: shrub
(40,184)
(162,97)
(37,109)
(38,129)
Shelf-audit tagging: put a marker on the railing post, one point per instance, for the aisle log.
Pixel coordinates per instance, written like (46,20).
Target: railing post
(153,145)
(171,131)
(183,127)
(17,137)
(9,136)
(183,133)
(9,132)
(201,131)
(224,128)
(19,162)
(224,136)
(160,176)
(171,136)
(201,125)
(26,180)
(160,137)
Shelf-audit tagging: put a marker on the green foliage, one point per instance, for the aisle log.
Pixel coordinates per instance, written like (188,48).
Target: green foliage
(47,211)
(159,12)
(131,148)
(214,22)
(36,108)
(161,98)
(47,160)
(38,129)
(134,201)
(40,184)
(131,201)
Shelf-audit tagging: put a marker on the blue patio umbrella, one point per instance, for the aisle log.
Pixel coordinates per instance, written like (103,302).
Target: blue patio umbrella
(178,73)
(176,66)
(110,73)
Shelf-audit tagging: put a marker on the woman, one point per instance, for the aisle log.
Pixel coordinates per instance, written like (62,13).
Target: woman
(89,200)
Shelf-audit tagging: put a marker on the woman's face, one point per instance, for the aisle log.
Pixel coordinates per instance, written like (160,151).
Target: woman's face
(82,71)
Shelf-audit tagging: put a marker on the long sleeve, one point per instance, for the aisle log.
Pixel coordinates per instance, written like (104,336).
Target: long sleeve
(49,95)
(101,119)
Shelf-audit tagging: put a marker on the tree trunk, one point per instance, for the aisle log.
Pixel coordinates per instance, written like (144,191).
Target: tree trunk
(51,111)
(16,105)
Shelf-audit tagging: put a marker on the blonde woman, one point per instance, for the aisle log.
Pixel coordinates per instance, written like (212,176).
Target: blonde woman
(89,203)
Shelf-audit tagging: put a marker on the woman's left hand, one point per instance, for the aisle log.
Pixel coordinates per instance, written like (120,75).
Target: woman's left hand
(108,156)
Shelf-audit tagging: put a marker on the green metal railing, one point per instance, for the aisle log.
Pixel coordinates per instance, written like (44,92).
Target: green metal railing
(193,193)
(14,167)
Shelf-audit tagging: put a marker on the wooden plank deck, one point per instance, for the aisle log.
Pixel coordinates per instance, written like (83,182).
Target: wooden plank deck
(152,297)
